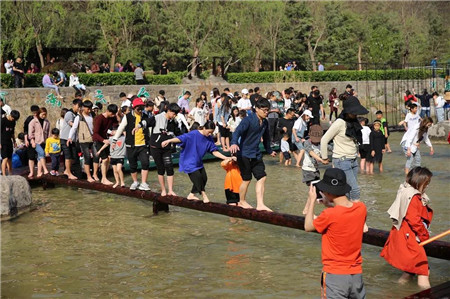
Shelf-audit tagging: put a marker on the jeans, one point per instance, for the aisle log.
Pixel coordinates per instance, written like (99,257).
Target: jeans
(350,167)
(52,87)
(440,114)
(40,152)
(414,160)
(55,161)
(425,112)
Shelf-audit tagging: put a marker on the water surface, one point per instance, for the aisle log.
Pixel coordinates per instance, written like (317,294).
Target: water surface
(82,243)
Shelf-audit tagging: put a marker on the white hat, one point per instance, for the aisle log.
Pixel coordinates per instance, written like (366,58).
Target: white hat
(126,103)
(130,95)
(308,113)
(244,91)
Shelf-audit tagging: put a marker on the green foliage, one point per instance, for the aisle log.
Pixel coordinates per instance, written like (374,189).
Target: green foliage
(308,76)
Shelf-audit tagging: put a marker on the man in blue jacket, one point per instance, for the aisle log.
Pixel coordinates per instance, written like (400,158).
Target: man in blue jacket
(245,143)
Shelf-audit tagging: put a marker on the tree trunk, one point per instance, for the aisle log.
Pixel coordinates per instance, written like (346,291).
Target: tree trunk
(312,55)
(274,60)
(360,57)
(39,51)
(112,61)
(195,60)
(257,60)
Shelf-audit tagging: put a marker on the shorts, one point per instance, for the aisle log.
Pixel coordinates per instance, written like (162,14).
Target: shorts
(224,132)
(309,176)
(385,140)
(342,286)
(232,197)
(378,158)
(115,161)
(135,154)
(31,153)
(103,154)
(364,151)
(70,152)
(7,150)
(249,166)
(287,155)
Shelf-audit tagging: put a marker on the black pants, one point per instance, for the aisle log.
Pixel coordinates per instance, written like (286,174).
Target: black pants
(55,161)
(199,179)
(135,154)
(18,81)
(335,114)
(163,160)
(316,119)
(273,123)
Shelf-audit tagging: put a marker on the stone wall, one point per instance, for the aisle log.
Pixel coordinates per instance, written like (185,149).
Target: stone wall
(371,93)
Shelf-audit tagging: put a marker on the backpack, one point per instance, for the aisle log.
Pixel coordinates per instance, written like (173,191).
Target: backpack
(84,132)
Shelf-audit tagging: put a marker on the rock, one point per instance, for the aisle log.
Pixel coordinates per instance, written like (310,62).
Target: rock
(15,195)
(439,130)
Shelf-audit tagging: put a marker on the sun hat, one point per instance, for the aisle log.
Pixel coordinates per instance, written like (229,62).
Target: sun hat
(244,91)
(308,113)
(315,133)
(353,106)
(334,182)
(138,102)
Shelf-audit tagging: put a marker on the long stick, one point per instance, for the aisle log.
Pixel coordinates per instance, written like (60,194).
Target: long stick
(435,238)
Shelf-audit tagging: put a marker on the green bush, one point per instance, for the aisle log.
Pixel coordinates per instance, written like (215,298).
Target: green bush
(308,76)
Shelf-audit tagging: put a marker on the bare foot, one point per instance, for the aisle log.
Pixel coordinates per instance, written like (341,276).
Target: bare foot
(39,175)
(404,278)
(96,178)
(192,197)
(297,165)
(263,208)
(163,193)
(205,198)
(46,172)
(115,185)
(244,204)
(90,180)
(106,182)
(172,193)
(122,186)
(72,177)
(31,175)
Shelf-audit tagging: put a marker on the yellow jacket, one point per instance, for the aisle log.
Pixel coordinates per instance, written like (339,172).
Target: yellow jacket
(52,146)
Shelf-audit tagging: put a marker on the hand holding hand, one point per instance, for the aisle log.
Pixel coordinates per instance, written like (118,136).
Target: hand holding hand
(273,154)
(165,143)
(325,161)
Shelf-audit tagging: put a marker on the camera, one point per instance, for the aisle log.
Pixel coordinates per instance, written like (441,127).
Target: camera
(318,194)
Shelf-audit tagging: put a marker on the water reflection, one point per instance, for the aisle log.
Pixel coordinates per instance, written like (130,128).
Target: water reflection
(82,243)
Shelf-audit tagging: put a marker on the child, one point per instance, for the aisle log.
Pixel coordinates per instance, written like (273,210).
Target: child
(384,129)
(285,149)
(341,225)
(233,181)
(117,154)
(8,124)
(412,119)
(364,148)
(195,145)
(410,143)
(376,147)
(234,119)
(198,114)
(53,149)
(299,131)
(411,217)
(310,167)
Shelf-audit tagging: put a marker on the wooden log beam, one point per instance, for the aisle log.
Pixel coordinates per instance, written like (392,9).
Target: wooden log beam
(437,249)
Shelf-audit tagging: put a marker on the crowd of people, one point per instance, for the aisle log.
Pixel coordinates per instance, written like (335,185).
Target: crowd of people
(91,138)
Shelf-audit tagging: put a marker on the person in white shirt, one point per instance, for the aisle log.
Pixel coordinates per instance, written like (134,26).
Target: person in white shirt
(287,99)
(244,102)
(9,66)
(411,122)
(411,143)
(74,82)
(439,103)
(199,114)
(364,148)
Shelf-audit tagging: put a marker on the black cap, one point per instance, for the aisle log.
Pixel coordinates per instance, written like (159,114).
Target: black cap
(334,182)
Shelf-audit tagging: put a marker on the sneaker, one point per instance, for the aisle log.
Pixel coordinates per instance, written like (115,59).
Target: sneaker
(144,187)
(53,172)
(134,186)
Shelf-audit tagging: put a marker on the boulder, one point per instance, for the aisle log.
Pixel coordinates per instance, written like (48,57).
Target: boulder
(15,195)
(439,130)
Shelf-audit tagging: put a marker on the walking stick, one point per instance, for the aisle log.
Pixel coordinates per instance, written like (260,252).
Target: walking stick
(435,238)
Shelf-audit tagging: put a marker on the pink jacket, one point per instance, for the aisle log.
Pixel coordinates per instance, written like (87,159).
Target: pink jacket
(37,132)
